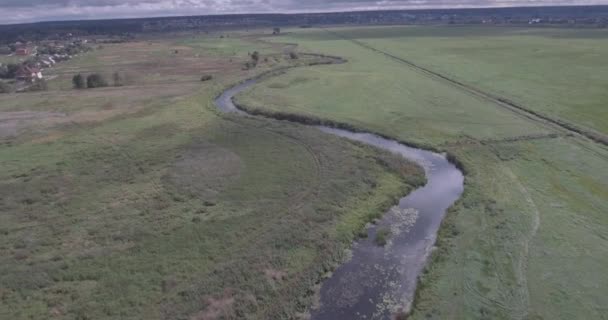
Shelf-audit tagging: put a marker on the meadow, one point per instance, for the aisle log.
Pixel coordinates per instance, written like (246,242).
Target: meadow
(143,201)
(528,239)
(557,72)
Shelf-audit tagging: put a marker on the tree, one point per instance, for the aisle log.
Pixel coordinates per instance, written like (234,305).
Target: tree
(3,72)
(5,87)
(79,82)
(9,71)
(118,79)
(96,80)
(255,56)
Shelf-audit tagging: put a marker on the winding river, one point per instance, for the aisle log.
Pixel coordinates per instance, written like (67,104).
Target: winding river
(377,281)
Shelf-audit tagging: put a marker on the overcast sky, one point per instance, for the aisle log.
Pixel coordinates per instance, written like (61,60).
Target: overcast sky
(17,11)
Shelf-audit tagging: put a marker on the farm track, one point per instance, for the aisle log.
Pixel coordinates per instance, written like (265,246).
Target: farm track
(499,101)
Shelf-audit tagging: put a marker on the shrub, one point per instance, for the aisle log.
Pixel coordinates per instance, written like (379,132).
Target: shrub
(206,77)
(8,71)
(362,233)
(255,56)
(293,55)
(39,85)
(5,87)
(382,236)
(79,82)
(96,81)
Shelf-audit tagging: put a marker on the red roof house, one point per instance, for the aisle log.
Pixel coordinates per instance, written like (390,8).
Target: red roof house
(22,51)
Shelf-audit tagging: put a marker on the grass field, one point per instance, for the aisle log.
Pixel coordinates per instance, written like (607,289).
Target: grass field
(143,201)
(529,238)
(559,72)
(7,59)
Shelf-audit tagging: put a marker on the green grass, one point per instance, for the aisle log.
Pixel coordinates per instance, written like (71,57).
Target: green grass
(229,44)
(144,202)
(528,238)
(382,90)
(15,59)
(557,72)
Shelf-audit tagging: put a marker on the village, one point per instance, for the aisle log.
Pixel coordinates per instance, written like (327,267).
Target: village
(23,63)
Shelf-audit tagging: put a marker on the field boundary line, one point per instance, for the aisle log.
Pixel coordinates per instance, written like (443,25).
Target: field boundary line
(500,101)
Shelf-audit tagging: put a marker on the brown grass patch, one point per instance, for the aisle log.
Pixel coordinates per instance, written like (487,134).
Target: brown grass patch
(51,137)
(13,123)
(204,171)
(274,275)
(217,308)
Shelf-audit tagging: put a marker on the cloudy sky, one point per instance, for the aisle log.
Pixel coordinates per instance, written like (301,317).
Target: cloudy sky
(16,11)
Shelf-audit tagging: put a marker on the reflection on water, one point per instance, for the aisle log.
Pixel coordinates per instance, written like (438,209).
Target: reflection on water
(378,281)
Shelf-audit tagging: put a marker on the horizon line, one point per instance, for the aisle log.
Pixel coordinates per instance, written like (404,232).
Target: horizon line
(85,19)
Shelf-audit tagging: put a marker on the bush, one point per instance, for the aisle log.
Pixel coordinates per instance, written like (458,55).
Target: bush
(5,87)
(293,55)
(8,71)
(96,80)
(39,85)
(206,77)
(255,56)
(79,82)
(382,236)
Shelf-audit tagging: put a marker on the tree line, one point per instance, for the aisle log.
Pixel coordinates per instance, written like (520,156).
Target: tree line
(96,80)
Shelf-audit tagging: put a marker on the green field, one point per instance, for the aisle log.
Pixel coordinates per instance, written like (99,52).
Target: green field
(558,72)
(7,59)
(529,238)
(144,202)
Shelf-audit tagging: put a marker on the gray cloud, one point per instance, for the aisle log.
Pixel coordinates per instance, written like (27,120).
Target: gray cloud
(15,11)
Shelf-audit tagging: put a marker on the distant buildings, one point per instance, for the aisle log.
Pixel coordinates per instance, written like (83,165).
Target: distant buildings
(23,51)
(28,74)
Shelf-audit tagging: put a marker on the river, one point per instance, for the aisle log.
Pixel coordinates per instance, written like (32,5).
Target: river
(378,281)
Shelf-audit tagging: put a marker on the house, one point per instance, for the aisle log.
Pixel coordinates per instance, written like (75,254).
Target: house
(28,74)
(46,60)
(23,51)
